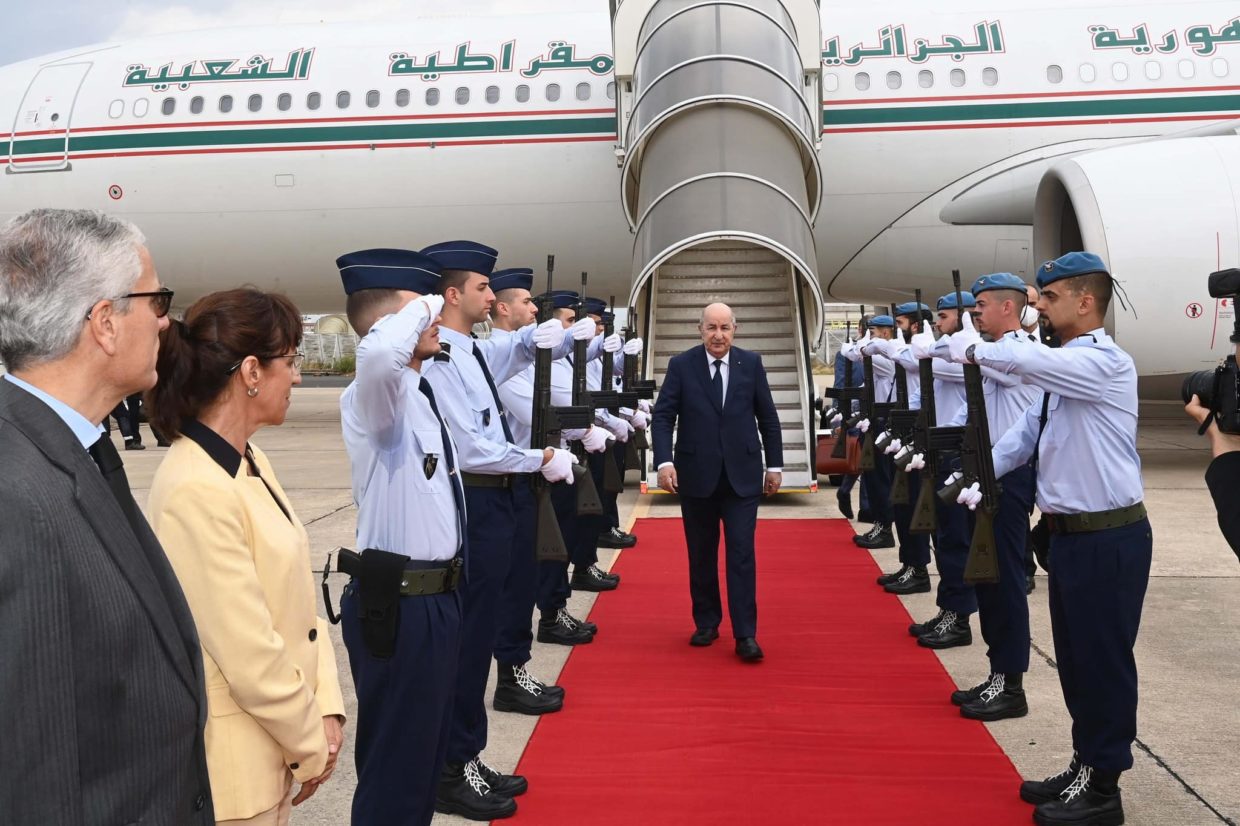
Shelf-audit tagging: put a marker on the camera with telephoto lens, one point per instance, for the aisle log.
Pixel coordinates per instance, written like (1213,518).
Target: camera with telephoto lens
(1219,389)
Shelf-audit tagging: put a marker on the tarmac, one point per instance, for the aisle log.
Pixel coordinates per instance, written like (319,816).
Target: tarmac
(1189,727)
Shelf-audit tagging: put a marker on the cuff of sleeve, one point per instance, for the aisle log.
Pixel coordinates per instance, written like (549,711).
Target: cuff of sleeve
(535,462)
(662,465)
(774,470)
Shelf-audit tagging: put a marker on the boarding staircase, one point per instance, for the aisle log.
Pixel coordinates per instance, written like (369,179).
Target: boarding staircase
(719,117)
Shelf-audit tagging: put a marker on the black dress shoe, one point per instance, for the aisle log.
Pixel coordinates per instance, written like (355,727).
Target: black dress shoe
(591,579)
(1085,802)
(704,637)
(879,536)
(132,445)
(1044,791)
(504,785)
(912,581)
(968,695)
(865,515)
(517,691)
(919,628)
(616,538)
(747,649)
(893,576)
(998,701)
(951,631)
(463,791)
(845,503)
(562,629)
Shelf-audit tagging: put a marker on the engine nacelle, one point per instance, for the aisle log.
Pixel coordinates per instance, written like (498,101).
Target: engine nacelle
(1163,215)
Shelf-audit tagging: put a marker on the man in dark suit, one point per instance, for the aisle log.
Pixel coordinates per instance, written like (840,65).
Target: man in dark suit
(721,397)
(102,674)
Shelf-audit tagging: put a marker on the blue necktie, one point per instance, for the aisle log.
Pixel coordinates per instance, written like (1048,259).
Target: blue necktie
(458,495)
(499,406)
(717,381)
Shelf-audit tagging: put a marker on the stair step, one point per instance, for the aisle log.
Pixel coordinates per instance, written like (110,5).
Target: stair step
(721,269)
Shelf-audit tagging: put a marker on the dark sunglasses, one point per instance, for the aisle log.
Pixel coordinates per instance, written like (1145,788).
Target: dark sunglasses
(161,301)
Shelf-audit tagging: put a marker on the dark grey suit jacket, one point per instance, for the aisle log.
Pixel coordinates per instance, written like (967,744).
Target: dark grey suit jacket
(100,669)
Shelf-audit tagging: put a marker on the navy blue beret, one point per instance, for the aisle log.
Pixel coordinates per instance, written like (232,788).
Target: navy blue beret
(998,281)
(1070,266)
(463,255)
(911,308)
(882,321)
(388,269)
(948,302)
(515,278)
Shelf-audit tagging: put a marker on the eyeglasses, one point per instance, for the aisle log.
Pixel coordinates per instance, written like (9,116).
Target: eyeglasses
(161,301)
(294,362)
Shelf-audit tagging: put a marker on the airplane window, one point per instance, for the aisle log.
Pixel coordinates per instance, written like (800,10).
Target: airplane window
(462,95)
(313,101)
(492,94)
(1188,69)
(117,108)
(372,98)
(342,100)
(553,91)
(523,93)
(957,77)
(402,97)
(140,106)
(831,82)
(990,76)
(168,106)
(611,90)
(284,102)
(1088,74)
(1119,71)
(1219,65)
(583,91)
(254,103)
(1054,74)
(1153,69)
(925,78)
(225,103)
(894,80)
(862,81)
(432,96)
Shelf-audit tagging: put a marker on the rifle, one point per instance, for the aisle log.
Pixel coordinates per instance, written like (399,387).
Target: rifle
(642,389)
(613,482)
(925,518)
(623,399)
(545,422)
(843,398)
(901,422)
(866,411)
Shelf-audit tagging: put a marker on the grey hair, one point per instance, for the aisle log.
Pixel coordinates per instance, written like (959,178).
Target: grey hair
(55,265)
(702,317)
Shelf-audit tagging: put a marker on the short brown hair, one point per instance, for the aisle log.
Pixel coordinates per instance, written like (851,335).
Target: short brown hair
(364,307)
(196,355)
(452,278)
(1097,284)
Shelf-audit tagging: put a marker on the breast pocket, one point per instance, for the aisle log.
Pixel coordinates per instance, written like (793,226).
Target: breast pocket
(432,464)
(1052,436)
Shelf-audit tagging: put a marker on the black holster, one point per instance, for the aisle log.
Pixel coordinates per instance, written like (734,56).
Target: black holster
(1040,539)
(378,599)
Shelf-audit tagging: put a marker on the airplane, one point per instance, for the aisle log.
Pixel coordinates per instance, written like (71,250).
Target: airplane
(865,150)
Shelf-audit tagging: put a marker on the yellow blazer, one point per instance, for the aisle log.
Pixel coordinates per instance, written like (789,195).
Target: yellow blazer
(269,665)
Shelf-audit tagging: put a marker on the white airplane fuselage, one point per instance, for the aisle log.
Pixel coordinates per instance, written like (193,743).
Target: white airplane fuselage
(272,190)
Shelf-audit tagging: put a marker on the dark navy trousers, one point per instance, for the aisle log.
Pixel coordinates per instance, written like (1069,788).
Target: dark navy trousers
(584,547)
(491,528)
(611,501)
(951,552)
(1097,588)
(701,517)
(514,633)
(1003,608)
(877,484)
(914,547)
(404,709)
(553,588)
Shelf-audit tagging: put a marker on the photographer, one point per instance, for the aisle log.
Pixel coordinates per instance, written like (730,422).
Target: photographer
(1223,475)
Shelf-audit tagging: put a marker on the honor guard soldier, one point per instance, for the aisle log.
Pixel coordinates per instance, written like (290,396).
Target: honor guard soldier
(1082,438)
(401,612)
(612,535)
(1003,607)
(956,600)
(878,481)
(465,386)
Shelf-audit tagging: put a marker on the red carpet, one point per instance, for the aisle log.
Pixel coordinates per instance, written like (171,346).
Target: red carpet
(847,721)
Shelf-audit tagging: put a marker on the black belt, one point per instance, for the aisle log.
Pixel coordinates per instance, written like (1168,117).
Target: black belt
(487,480)
(1098,521)
(420,578)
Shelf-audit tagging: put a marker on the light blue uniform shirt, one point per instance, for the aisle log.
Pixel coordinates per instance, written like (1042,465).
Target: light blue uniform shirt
(87,434)
(884,375)
(906,360)
(1088,454)
(1007,397)
(949,397)
(389,432)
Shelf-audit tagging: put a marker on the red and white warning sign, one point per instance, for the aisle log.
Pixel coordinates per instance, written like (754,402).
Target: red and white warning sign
(1194,310)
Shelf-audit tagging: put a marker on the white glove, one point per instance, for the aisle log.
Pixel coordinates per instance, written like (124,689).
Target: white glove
(953,479)
(596,439)
(620,429)
(1028,316)
(916,463)
(644,406)
(837,420)
(634,347)
(863,425)
(847,349)
(639,420)
(583,330)
(878,347)
(549,334)
(434,305)
(613,343)
(961,341)
(922,344)
(893,447)
(560,468)
(970,496)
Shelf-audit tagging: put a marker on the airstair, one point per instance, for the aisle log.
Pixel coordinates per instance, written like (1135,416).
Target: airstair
(718,110)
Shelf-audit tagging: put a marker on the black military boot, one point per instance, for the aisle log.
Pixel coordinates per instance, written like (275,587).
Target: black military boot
(462,791)
(616,538)
(919,628)
(880,536)
(1092,799)
(912,581)
(589,627)
(951,631)
(1044,791)
(893,576)
(591,579)
(504,785)
(968,695)
(1003,699)
(608,575)
(562,629)
(517,691)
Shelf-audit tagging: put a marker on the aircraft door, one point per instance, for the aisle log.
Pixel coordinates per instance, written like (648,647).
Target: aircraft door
(40,139)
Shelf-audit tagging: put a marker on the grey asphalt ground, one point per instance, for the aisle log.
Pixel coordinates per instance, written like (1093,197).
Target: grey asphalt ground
(1185,772)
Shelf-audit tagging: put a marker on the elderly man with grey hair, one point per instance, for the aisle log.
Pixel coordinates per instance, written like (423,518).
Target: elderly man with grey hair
(102,677)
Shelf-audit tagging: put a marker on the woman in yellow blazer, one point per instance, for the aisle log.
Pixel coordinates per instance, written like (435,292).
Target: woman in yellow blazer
(275,712)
